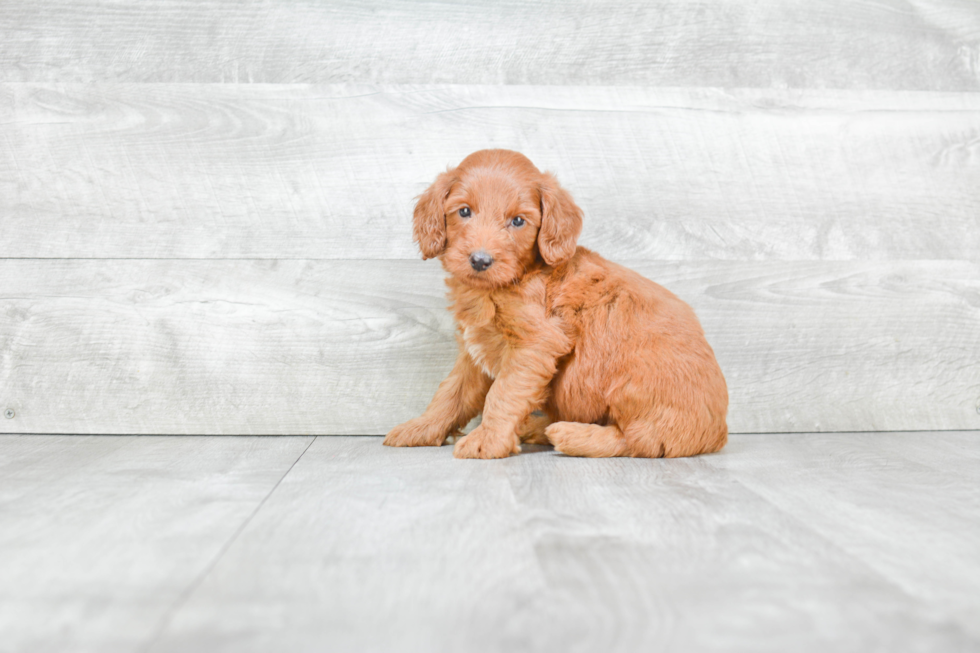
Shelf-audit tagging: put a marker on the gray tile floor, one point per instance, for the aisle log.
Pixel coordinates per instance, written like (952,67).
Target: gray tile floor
(823,542)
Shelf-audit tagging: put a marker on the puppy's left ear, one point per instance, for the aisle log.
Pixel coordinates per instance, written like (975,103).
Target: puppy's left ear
(429,220)
(561,222)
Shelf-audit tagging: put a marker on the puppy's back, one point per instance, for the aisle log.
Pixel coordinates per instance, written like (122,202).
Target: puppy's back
(640,346)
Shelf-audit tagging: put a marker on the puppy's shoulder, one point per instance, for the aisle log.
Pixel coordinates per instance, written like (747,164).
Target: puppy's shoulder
(584,269)
(588,281)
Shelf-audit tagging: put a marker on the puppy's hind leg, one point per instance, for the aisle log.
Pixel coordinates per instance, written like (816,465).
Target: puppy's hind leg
(672,433)
(588,440)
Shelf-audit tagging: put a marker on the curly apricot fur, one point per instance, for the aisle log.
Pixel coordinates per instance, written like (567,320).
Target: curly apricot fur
(615,364)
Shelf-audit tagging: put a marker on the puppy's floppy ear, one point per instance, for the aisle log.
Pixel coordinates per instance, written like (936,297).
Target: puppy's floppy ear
(561,222)
(429,221)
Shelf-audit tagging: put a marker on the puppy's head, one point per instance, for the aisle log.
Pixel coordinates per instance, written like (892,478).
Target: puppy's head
(492,217)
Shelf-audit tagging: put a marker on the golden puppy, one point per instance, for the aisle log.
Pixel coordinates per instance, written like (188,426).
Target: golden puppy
(556,344)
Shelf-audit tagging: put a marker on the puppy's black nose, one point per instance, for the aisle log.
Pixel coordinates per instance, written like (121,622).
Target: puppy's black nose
(481,260)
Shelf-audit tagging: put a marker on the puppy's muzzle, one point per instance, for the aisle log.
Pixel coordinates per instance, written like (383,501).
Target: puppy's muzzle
(481,260)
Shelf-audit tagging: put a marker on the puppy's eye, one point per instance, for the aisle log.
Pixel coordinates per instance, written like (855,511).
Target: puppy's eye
(464,212)
(518,221)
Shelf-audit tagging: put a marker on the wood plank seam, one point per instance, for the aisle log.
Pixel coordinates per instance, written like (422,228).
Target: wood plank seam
(192,587)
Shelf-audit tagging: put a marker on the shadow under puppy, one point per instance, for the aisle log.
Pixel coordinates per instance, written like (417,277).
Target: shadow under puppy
(556,344)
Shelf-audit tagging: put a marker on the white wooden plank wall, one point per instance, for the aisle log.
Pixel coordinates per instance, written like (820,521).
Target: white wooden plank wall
(205,207)
(228,170)
(891,44)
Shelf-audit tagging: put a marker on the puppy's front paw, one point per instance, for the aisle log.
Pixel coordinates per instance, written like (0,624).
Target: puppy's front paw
(481,443)
(417,432)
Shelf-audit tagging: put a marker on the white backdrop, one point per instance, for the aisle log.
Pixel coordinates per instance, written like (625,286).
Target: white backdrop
(205,207)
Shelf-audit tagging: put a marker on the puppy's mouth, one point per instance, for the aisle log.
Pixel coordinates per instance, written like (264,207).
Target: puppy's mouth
(484,279)
(493,277)
(480,268)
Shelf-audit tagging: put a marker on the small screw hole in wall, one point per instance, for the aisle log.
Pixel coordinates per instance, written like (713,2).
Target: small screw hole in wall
(9,413)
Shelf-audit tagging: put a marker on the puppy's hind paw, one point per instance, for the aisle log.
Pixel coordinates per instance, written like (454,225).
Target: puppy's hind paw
(589,440)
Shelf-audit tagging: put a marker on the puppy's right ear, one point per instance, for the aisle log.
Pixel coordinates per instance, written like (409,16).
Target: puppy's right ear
(429,221)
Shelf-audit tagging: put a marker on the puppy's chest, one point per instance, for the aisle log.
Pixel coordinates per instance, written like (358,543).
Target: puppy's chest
(495,325)
(486,345)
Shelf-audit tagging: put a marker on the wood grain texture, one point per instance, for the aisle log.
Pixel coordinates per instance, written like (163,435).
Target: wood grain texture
(355,347)
(865,496)
(898,44)
(367,548)
(234,171)
(101,537)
